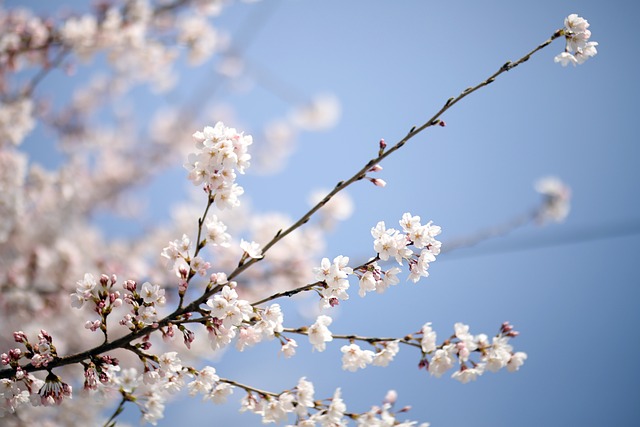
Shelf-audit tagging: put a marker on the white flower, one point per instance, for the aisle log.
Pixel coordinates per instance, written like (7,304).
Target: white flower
(129,379)
(468,374)
(319,334)
(219,393)
(272,319)
(516,361)
(462,333)
(367,283)
(575,23)
(275,409)
(428,341)
(252,249)
(169,363)
(498,355)
(248,337)
(152,294)
(442,360)
(304,395)
(386,355)
(335,413)
(216,232)
(390,278)
(354,358)
(86,285)
(289,348)
(565,58)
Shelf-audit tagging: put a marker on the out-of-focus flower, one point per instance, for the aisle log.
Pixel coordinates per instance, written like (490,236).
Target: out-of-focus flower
(557,199)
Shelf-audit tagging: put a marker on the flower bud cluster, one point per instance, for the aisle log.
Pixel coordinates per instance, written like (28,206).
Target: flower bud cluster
(22,387)
(101,294)
(220,152)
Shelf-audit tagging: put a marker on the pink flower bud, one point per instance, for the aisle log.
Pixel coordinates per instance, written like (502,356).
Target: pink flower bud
(378,182)
(129,285)
(20,336)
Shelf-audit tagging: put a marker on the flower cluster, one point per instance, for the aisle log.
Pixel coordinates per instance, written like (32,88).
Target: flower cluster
(179,260)
(275,408)
(578,47)
(494,355)
(227,314)
(163,377)
(390,243)
(335,275)
(144,302)
(221,151)
(101,294)
(354,358)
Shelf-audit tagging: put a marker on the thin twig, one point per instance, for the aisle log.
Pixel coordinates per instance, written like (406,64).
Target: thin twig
(408,340)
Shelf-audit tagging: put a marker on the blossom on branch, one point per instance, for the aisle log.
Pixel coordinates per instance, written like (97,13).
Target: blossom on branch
(578,47)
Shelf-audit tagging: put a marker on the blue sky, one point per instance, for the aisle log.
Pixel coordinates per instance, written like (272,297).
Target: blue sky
(569,289)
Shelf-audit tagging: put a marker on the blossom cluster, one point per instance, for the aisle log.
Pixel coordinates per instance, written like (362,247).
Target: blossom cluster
(220,152)
(144,302)
(24,388)
(162,378)
(230,316)
(494,355)
(389,243)
(436,358)
(101,294)
(578,47)
(309,412)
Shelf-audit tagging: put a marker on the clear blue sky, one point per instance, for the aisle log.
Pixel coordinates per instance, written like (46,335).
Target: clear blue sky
(569,289)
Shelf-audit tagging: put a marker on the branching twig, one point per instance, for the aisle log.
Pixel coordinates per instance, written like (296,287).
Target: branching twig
(193,306)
